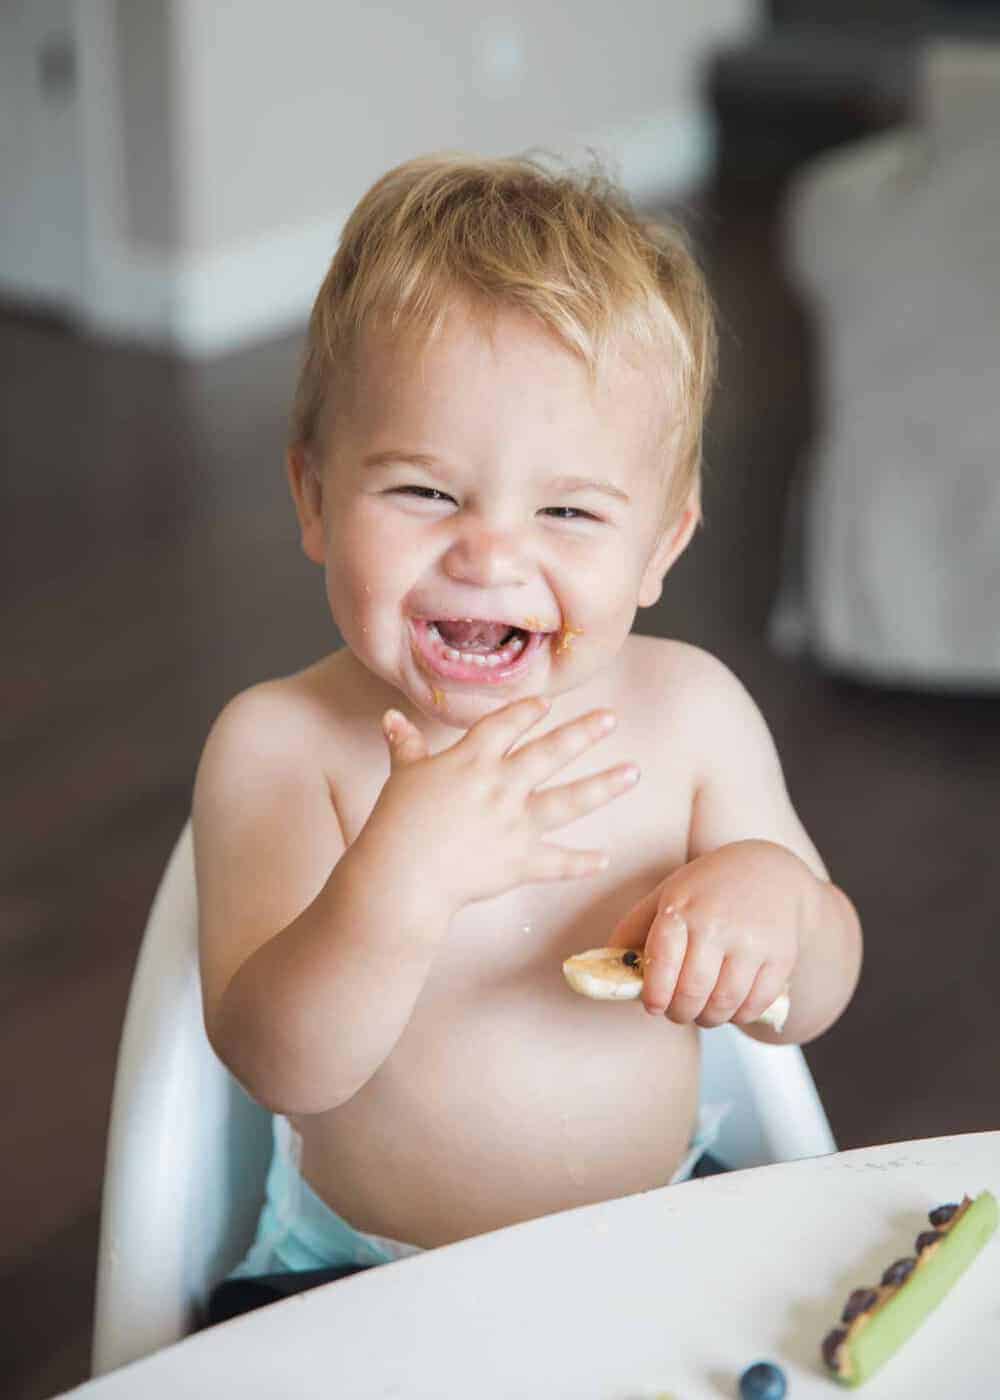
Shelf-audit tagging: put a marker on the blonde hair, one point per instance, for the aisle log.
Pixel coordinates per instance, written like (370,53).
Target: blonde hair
(567,248)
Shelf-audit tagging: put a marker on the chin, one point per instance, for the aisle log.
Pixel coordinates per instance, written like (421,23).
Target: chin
(461,711)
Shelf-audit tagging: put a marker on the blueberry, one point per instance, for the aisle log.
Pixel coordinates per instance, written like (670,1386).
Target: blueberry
(942,1214)
(831,1345)
(928,1238)
(898,1272)
(763,1381)
(860,1301)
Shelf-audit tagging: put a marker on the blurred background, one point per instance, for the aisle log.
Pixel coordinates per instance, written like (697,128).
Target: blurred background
(173,177)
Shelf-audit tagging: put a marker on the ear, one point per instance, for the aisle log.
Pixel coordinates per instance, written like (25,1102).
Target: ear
(669,548)
(306,486)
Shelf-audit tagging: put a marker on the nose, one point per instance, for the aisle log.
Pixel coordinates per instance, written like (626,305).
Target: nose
(486,558)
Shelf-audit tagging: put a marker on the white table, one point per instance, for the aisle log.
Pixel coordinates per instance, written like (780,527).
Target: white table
(673,1292)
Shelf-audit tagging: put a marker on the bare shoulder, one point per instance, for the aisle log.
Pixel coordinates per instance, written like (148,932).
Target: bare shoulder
(263,773)
(738,786)
(705,704)
(271,721)
(266,830)
(682,675)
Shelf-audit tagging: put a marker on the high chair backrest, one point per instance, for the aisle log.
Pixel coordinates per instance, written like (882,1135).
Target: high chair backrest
(188,1150)
(775,1112)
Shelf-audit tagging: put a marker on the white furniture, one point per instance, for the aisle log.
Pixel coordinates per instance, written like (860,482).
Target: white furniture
(891,569)
(188,1150)
(670,1293)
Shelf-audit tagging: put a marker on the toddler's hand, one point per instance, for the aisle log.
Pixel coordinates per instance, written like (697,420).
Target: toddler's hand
(472,813)
(721,934)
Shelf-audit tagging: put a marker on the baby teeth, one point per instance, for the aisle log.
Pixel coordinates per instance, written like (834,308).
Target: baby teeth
(493,658)
(478,658)
(474,657)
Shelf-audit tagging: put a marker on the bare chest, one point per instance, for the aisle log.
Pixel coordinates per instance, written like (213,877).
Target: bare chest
(522,936)
(507,1095)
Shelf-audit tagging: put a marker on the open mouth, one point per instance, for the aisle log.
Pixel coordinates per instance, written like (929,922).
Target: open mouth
(469,649)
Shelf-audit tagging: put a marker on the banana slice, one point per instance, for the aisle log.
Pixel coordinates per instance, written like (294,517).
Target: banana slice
(615,974)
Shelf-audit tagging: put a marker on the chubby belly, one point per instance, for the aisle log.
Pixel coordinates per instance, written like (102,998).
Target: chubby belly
(503,1106)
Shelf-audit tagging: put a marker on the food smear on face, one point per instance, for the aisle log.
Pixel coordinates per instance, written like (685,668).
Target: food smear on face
(565,640)
(438,696)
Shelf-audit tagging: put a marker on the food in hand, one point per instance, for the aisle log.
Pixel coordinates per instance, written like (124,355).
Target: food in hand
(763,1381)
(877,1321)
(615,974)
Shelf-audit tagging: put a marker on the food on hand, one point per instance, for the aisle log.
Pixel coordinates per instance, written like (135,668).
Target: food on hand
(615,974)
(877,1321)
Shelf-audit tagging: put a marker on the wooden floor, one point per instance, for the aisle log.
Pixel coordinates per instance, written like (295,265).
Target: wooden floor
(150,570)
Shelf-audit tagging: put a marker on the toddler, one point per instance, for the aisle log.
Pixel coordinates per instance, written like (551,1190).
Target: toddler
(494,458)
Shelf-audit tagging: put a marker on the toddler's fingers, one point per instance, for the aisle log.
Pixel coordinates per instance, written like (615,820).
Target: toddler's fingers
(558,806)
(632,931)
(768,985)
(732,987)
(663,959)
(498,731)
(550,862)
(696,982)
(540,758)
(406,743)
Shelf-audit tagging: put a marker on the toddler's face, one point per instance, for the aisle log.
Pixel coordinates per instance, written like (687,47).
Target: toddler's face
(488,518)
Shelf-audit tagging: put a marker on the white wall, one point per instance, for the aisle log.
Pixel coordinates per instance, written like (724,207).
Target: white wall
(41,192)
(280,117)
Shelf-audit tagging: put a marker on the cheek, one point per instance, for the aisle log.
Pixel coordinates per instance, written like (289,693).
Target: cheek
(370,567)
(605,580)
(599,600)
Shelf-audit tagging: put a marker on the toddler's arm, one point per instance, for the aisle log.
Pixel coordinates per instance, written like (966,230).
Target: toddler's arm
(741,811)
(310,973)
(296,933)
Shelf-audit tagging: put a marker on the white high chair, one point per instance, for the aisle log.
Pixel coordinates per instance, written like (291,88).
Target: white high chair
(188,1150)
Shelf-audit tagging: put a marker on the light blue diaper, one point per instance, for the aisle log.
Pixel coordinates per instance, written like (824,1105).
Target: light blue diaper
(298,1231)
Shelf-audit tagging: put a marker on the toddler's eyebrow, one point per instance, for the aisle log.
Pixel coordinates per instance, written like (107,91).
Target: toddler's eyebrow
(586,483)
(557,483)
(417,459)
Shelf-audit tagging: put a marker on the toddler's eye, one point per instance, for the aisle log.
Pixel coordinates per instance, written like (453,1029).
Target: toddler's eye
(568,513)
(423,493)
